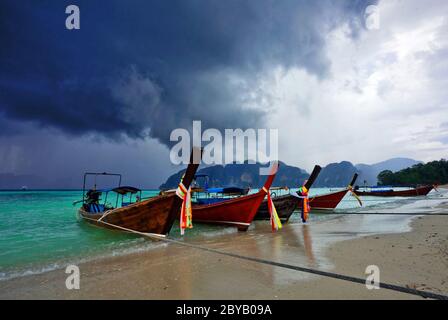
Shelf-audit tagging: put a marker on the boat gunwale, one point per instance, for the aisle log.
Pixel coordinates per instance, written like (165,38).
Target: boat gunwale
(229,201)
(135,204)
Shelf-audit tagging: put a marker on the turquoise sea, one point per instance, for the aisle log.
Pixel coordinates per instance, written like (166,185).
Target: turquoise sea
(39,231)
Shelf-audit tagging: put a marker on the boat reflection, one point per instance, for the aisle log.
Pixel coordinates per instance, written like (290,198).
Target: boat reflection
(193,272)
(308,244)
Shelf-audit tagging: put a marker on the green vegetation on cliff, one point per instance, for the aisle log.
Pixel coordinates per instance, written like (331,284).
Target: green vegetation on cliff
(429,173)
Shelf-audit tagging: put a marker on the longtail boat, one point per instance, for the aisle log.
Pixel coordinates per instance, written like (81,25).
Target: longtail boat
(238,212)
(285,204)
(330,201)
(152,216)
(420,191)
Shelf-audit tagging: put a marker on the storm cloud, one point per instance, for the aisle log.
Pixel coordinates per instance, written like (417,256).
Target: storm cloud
(142,68)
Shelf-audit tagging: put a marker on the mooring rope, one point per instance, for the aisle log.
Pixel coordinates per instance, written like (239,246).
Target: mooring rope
(380,201)
(393,287)
(383,213)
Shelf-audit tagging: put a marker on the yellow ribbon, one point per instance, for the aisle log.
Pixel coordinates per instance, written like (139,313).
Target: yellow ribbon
(275,220)
(186,218)
(306,205)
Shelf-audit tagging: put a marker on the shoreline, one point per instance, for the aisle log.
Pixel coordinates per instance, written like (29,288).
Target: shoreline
(418,259)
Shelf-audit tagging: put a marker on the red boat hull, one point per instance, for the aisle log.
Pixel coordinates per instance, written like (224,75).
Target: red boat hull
(327,201)
(287,204)
(238,212)
(422,191)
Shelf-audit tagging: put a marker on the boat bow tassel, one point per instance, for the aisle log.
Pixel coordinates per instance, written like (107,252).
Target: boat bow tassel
(275,220)
(303,191)
(185,211)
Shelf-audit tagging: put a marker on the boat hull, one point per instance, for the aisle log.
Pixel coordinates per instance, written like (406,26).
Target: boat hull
(422,191)
(287,204)
(238,212)
(154,216)
(327,201)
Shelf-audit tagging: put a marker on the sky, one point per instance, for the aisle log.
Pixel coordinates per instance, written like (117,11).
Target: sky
(107,96)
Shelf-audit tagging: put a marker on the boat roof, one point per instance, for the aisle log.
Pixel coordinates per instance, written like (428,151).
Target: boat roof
(125,189)
(279,188)
(226,190)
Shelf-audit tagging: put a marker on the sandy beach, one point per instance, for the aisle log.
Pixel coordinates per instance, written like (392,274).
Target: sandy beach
(416,258)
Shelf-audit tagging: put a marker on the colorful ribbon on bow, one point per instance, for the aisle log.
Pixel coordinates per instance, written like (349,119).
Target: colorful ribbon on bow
(305,204)
(350,188)
(185,211)
(275,220)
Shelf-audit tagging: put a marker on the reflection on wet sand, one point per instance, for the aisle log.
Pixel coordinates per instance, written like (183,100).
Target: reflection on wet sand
(308,243)
(291,245)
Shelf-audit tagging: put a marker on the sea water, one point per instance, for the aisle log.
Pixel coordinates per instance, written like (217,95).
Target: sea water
(40,230)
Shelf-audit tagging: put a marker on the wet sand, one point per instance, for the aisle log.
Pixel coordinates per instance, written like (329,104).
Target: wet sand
(416,257)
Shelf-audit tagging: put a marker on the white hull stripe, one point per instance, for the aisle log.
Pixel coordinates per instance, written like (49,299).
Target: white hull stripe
(226,222)
(326,209)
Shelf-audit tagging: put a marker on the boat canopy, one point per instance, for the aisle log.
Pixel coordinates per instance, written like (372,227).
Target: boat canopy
(126,189)
(279,188)
(227,190)
(102,190)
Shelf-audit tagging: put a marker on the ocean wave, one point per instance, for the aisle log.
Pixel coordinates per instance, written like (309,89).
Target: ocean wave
(39,269)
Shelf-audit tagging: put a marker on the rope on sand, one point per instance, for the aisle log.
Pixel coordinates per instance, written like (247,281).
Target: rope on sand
(333,275)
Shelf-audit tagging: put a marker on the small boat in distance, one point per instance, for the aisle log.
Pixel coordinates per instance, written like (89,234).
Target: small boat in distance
(152,216)
(238,212)
(390,192)
(24,188)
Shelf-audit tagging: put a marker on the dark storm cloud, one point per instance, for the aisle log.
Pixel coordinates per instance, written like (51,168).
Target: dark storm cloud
(145,67)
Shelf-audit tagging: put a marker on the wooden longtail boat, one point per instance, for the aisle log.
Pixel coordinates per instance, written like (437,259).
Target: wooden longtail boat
(421,191)
(330,201)
(289,203)
(238,212)
(155,215)
(285,204)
